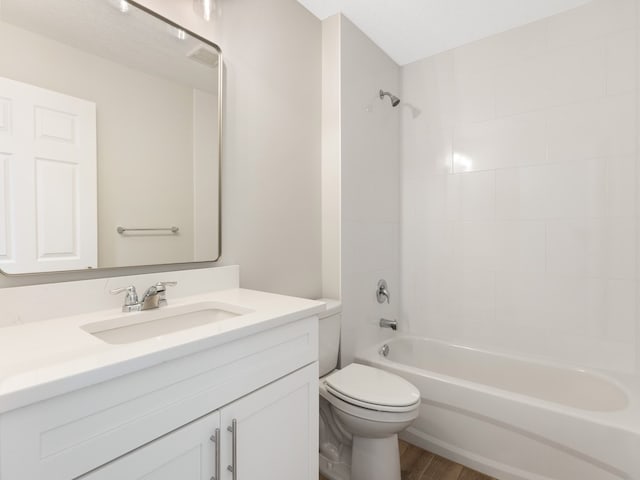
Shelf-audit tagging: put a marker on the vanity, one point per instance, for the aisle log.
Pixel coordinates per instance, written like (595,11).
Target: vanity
(232,398)
(110,120)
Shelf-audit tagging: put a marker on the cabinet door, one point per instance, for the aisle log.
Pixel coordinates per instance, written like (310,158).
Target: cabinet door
(186,454)
(276,431)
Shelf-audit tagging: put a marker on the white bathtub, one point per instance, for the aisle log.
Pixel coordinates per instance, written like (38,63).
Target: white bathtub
(517,419)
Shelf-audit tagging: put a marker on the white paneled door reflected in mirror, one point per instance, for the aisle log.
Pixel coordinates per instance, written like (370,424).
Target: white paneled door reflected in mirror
(109,138)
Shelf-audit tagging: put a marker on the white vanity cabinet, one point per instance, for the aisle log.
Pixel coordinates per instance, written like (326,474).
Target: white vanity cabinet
(157,423)
(275,430)
(186,454)
(271,431)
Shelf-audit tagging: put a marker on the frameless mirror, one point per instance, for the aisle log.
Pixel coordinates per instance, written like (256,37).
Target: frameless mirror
(109,138)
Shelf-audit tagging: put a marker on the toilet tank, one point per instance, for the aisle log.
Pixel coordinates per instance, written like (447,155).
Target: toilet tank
(329,336)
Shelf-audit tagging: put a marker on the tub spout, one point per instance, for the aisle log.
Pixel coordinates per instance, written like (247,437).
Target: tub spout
(392,324)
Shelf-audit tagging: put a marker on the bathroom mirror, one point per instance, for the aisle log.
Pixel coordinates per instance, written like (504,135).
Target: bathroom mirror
(109,138)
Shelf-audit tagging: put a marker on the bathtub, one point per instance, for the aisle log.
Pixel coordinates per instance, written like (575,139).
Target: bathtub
(517,419)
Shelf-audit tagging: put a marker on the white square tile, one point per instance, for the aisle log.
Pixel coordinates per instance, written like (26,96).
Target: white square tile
(475,96)
(524,238)
(438,245)
(475,246)
(520,246)
(473,302)
(454,197)
(500,49)
(522,86)
(431,294)
(556,78)
(370,178)
(600,128)
(576,73)
(477,193)
(621,58)
(520,300)
(595,19)
(574,247)
(425,150)
(369,246)
(506,142)
(621,186)
(619,321)
(428,91)
(592,248)
(559,305)
(426,199)
(575,305)
(426,160)
(571,189)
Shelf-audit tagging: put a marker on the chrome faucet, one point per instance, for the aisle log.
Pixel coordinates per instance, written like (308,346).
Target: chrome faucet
(392,324)
(382,294)
(131,303)
(154,297)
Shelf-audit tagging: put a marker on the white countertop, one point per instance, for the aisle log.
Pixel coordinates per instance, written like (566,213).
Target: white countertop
(43,359)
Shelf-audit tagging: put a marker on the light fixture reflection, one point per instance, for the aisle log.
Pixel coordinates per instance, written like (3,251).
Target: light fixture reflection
(177,32)
(462,163)
(204,8)
(123,6)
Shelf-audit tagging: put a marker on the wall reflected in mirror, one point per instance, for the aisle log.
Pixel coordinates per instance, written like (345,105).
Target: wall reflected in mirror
(109,138)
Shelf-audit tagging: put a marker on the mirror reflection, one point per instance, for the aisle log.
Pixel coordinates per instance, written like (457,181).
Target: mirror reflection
(109,138)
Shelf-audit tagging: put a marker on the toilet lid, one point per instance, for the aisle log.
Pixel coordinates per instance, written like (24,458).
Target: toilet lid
(372,388)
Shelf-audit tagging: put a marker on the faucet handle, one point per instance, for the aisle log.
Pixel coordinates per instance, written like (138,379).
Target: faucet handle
(382,293)
(160,286)
(132,295)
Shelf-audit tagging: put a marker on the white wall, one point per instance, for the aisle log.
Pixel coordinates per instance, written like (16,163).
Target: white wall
(369,133)
(519,190)
(271,143)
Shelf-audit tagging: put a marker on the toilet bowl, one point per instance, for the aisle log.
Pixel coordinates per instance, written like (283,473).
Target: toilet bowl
(362,410)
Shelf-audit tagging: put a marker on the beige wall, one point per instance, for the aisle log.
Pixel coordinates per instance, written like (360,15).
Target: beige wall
(271,143)
(331,158)
(271,139)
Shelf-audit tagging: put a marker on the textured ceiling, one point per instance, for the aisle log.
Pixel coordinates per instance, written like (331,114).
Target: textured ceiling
(409,30)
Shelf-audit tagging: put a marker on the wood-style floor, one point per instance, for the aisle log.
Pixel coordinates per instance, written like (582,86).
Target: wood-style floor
(418,464)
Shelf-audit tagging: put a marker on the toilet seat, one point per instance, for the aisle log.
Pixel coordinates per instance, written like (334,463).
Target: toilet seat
(372,389)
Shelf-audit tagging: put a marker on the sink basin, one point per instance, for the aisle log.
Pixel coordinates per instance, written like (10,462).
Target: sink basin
(133,327)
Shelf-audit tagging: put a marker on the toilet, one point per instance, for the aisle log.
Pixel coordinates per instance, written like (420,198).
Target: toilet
(362,410)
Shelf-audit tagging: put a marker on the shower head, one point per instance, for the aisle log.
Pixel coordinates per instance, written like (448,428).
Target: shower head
(395,101)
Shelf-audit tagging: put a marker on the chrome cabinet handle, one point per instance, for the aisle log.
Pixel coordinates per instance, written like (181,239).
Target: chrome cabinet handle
(216,439)
(233,468)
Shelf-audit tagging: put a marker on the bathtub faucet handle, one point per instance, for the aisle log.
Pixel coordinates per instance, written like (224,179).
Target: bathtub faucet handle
(392,324)
(382,294)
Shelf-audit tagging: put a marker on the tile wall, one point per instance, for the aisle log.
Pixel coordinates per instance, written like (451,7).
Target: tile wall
(519,190)
(369,190)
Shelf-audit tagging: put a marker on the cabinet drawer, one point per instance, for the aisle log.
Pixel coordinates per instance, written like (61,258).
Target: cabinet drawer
(66,436)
